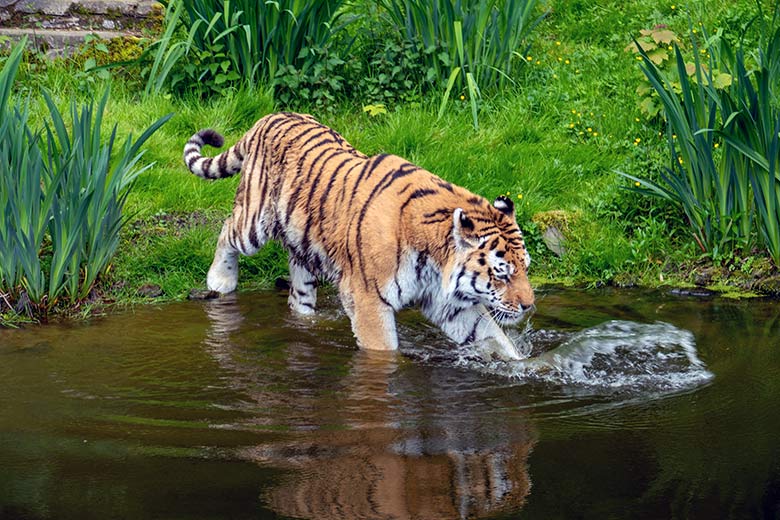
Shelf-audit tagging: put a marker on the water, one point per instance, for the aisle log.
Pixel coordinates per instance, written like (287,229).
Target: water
(634,404)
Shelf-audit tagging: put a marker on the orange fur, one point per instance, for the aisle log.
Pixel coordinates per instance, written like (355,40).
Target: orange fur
(387,232)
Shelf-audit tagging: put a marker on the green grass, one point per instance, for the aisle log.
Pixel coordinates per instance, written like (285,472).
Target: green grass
(517,150)
(533,141)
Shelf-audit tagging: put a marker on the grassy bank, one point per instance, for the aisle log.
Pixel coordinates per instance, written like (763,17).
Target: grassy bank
(553,140)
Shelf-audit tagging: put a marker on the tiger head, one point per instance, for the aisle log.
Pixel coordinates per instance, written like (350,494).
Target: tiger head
(491,262)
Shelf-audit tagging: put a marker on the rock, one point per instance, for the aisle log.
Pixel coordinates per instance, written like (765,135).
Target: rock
(202,294)
(554,225)
(624,280)
(695,292)
(23,304)
(59,27)
(703,277)
(128,8)
(150,290)
(59,41)
(769,286)
(554,239)
(50,7)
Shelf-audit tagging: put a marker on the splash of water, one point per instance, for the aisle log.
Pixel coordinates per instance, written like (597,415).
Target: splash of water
(616,355)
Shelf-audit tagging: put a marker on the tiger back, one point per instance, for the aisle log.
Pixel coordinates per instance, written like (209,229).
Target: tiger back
(386,232)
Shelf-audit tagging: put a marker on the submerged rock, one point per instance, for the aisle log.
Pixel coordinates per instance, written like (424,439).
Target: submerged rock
(202,294)
(695,292)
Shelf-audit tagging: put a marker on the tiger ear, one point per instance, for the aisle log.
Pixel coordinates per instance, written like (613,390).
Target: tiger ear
(504,205)
(461,225)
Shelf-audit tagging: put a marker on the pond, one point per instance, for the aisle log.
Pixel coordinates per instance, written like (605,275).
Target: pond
(636,404)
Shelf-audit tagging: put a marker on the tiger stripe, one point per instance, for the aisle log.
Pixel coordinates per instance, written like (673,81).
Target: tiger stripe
(387,232)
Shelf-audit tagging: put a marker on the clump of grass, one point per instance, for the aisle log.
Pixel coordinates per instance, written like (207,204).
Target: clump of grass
(486,38)
(240,41)
(62,197)
(479,43)
(723,144)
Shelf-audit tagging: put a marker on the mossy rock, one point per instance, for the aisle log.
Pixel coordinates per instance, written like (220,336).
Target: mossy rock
(557,218)
(554,226)
(769,286)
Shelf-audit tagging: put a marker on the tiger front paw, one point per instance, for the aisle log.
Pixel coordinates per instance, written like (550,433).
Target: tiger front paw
(223,277)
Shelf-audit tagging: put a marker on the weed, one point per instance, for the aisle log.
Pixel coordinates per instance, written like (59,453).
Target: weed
(62,197)
(725,193)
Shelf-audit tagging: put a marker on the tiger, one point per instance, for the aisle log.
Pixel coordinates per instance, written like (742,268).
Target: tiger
(386,233)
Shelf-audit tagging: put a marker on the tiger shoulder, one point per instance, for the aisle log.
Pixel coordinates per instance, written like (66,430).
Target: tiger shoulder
(387,233)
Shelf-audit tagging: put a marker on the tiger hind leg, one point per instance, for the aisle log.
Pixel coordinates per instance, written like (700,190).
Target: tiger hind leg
(303,288)
(223,273)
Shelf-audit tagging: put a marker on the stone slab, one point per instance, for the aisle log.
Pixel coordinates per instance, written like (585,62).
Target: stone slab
(58,41)
(61,7)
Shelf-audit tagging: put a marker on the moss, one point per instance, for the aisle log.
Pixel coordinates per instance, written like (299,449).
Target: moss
(625,279)
(557,218)
(120,49)
(769,286)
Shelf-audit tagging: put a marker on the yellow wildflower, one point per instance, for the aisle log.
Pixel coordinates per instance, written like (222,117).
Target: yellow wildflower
(637,184)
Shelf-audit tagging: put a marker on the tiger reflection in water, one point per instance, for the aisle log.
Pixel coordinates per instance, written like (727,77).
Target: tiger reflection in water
(406,446)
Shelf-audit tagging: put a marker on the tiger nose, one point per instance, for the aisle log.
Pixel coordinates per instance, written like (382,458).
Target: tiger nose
(527,308)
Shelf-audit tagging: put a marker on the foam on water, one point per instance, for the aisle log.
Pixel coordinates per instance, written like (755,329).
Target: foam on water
(613,356)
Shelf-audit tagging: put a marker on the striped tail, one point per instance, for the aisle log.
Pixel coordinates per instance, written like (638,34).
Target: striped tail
(223,165)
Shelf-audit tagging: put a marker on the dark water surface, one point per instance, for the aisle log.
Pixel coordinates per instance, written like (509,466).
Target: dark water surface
(637,405)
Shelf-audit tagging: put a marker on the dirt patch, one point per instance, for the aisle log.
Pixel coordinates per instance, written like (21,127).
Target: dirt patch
(175,224)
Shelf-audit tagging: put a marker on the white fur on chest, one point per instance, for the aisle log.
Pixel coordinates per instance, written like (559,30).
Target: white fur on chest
(417,281)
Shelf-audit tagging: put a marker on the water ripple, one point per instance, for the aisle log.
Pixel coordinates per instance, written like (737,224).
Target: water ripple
(614,357)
